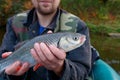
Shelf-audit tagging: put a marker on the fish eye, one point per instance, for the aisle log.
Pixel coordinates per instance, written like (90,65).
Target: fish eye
(75,38)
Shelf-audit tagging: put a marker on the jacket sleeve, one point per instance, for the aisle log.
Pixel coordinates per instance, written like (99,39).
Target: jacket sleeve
(78,62)
(8,42)
(9,39)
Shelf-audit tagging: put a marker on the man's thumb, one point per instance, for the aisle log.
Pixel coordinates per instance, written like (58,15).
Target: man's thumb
(6,54)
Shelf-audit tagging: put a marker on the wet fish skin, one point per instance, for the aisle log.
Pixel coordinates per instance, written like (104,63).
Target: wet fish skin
(66,41)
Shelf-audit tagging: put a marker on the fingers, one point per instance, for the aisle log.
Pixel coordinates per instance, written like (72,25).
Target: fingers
(36,57)
(39,54)
(49,56)
(17,68)
(23,69)
(46,52)
(12,69)
(60,54)
(49,31)
(6,54)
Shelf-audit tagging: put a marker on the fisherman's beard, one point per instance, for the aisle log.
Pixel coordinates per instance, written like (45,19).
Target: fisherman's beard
(48,11)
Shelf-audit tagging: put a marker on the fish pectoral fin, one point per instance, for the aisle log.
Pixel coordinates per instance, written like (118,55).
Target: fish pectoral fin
(36,66)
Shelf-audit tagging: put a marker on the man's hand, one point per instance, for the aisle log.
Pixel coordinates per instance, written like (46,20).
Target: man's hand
(16,68)
(49,56)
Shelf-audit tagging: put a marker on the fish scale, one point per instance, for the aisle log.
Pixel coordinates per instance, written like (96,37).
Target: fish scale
(60,40)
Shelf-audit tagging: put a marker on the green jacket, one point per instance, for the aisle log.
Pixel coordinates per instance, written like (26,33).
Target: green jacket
(25,26)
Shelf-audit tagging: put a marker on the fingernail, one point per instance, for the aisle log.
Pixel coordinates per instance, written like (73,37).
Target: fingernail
(31,50)
(17,63)
(42,44)
(49,31)
(4,55)
(36,44)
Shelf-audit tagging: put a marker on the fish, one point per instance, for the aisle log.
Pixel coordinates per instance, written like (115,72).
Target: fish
(66,41)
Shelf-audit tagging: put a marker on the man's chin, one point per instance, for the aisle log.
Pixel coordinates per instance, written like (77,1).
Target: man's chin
(46,12)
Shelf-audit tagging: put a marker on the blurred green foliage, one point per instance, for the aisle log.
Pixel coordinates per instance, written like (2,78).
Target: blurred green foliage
(93,12)
(101,16)
(99,29)
(11,7)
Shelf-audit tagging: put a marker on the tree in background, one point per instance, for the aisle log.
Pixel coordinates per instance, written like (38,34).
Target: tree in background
(10,7)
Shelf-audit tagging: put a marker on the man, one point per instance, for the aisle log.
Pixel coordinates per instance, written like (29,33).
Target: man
(46,17)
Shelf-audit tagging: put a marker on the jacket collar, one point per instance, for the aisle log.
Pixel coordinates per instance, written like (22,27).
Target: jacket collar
(32,18)
(32,23)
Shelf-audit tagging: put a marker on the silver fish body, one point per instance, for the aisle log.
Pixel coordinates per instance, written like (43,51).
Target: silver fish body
(66,41)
